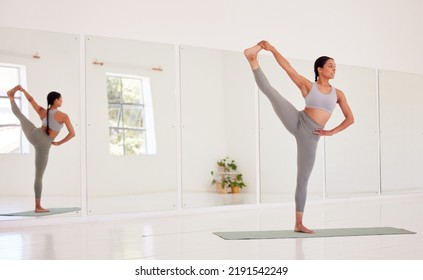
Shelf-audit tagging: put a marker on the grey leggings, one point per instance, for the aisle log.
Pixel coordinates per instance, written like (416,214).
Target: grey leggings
(299,125)
(41,142)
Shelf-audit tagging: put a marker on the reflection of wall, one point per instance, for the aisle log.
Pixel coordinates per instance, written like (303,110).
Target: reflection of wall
(57,69)
(351,159)
(202,116)
(240,116)
(111,176)
(218,118)
(401,138)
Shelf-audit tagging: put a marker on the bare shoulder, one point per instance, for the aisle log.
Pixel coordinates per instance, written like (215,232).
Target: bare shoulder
(340,95)
(61,116)
(338,91)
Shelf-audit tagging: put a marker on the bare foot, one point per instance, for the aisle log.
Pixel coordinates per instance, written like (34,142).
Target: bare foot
(302,228)
(41,210)
(251,55)
(11,94)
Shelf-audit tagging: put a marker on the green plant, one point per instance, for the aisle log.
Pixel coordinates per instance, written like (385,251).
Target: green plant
(227,165)
(238,181)
(227,175)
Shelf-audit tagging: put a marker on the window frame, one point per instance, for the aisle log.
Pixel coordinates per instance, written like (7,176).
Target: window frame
(146,117)
(22,103)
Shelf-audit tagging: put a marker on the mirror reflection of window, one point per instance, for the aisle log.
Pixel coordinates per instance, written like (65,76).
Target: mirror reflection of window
(131,121)
(11,138)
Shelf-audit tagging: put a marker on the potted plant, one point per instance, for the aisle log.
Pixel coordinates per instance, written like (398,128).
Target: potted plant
(236,183)
(227,176)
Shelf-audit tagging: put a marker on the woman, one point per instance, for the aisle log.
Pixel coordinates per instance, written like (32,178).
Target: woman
(308,125)
(42,138)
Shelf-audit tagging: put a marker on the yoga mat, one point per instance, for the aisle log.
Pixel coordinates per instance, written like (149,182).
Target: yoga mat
(53,211)
(335,232)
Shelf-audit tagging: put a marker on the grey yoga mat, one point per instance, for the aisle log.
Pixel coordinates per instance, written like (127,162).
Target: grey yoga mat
(52,211)
(335,232)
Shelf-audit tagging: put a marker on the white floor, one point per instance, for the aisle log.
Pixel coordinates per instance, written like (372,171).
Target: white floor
(184,235)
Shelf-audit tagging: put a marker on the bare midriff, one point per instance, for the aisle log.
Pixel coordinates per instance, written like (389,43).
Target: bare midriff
(318,115)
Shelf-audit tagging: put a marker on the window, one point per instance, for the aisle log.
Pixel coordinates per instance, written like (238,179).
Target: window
(11,137)
(131,124)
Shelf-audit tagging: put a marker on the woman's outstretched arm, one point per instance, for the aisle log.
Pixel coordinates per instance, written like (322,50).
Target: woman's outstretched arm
(301,82)
(40,110)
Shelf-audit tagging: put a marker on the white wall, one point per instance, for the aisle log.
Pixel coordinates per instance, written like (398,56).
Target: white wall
(377,33)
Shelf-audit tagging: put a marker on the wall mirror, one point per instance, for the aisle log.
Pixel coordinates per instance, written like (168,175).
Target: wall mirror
(131,126)
(218,119)
(401,137)
(41,62)
(351,156)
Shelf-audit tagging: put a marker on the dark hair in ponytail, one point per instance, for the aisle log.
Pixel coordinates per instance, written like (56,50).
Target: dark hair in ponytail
(320,62)
(51,97)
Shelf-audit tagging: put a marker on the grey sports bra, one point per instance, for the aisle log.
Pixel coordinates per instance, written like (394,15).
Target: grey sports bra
(52,123)
(319,100)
